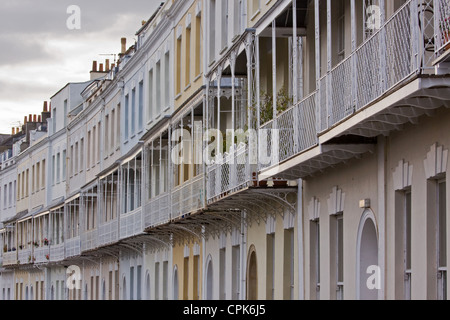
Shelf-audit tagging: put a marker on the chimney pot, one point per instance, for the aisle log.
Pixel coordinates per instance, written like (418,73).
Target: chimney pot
(94,66)
(25,120)
(34,118)
(45,106)
(13,131)
(107,65)
(124,45)
(101,67)
(30,118)
(39,118)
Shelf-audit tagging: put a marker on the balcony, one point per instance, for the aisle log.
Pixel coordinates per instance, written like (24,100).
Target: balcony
(41,253)
(188,197)
(56,252)
(108,232)
(89,240)
(442,13)
(9,258)
(73,247)
(389,80)
(157,211)
(131,223)
(390,57)
(229,173)
(25,256)
(291,133)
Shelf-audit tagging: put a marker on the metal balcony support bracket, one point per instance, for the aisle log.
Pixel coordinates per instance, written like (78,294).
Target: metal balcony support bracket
(258,204)
(216,223)
(320,158)
(134,246)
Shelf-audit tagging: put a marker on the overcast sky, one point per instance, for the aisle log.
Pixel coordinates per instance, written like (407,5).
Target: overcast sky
(39,53)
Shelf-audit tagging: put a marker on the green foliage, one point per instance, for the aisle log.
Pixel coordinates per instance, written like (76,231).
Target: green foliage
(284,102)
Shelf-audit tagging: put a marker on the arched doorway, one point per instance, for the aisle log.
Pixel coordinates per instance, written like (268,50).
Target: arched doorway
(252,275)
(368,272)
(209,279)
(176,287)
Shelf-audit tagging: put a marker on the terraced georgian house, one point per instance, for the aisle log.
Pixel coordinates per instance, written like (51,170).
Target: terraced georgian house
(245,149)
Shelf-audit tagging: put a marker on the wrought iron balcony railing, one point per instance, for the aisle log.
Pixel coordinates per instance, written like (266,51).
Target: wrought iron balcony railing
(405,46)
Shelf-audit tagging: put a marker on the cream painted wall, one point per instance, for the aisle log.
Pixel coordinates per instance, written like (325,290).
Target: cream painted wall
(178,261)
(27,281)
(213,245)
(358,180)
(195,80)
(430,131)
(257,237)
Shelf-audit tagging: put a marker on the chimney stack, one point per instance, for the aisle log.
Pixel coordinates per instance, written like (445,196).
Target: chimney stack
(124,45)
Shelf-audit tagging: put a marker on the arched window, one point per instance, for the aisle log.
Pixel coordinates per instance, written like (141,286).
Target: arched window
(124,289)
(147,286)
(103,290)
(209,279)
(368,271)
(175,284)
(252,275)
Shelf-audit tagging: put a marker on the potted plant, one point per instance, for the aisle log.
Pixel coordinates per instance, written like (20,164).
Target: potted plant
(47,256)
(36,244)
(46,242)
(284,102)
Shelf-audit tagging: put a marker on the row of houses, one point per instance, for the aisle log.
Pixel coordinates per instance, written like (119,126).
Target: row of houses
(289,149)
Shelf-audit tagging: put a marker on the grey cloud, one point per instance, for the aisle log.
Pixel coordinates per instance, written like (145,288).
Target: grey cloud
(50,16)
(24,91)
(20,49)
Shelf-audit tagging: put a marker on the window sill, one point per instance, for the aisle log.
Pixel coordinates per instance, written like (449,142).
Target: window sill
(223,50)
(178,96)
(187,87)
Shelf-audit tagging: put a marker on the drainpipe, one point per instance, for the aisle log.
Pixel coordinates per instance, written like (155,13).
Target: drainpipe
(243,256)
(381,146)
(301,260)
